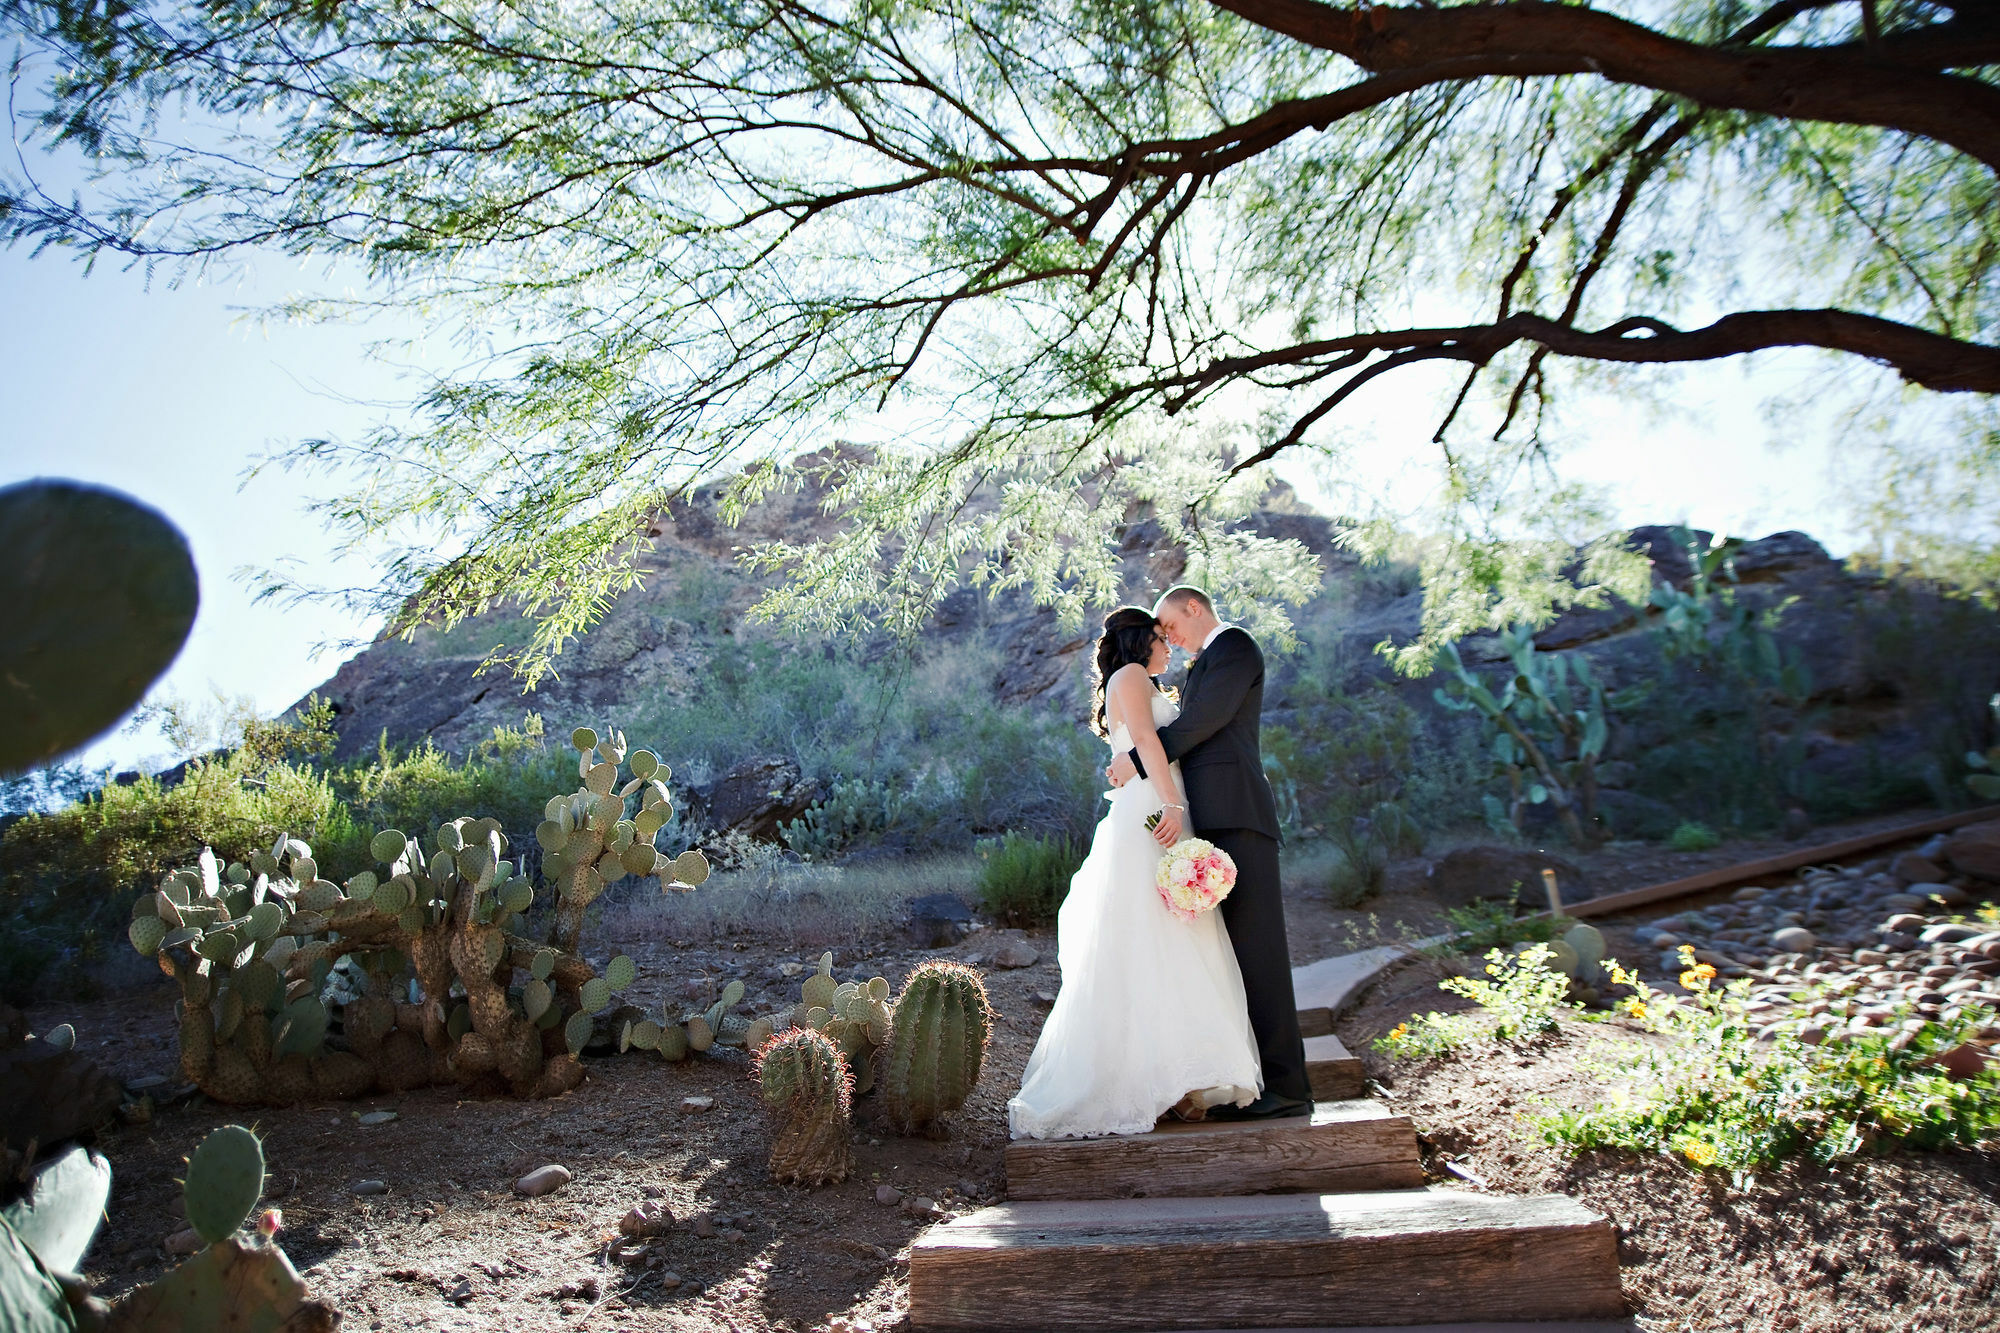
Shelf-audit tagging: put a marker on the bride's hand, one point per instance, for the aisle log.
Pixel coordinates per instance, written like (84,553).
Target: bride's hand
(1167,830)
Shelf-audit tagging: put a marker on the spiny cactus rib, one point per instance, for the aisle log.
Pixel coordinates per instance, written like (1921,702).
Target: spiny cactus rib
(805,1082)
(937,1044)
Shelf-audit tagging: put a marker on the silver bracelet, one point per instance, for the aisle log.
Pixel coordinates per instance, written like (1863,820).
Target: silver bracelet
(1171,806)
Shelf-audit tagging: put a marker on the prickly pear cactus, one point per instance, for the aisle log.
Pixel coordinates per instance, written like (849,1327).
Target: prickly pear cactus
(240,944)
(937,1042)
(236,1282)
(100,592)
(225,1178)
(806,1085)
(294,987)
(587,841)
(857,1018)
(1586,944)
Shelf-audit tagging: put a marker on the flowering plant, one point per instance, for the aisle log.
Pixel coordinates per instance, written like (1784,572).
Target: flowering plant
(1194,876)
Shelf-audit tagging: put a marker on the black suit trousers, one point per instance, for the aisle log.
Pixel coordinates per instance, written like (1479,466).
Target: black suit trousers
(1254,913)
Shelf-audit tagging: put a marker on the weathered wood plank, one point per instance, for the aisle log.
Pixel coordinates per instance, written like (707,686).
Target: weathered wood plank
(1269,1261)
(1345,1145)
(1334,1071)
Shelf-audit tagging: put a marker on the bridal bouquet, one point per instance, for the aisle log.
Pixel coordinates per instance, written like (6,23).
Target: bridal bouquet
(1194,876)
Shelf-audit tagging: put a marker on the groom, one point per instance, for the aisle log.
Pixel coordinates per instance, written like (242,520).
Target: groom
(1215,739)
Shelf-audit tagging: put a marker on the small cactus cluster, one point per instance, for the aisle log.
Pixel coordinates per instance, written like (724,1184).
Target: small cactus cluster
(855,1017)
(807,1086)
(436,982)
(587,842)
(937,1042)
(235,1281)
(697,1031)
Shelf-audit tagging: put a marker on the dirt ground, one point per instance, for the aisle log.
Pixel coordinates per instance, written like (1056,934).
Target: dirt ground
(1898,1243)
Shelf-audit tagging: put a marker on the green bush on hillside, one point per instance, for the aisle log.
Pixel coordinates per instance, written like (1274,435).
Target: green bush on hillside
(1023,878)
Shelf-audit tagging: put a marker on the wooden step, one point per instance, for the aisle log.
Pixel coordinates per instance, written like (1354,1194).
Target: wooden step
(1321,990)
(1345,1145)
(1335,1073)
(1268,1261)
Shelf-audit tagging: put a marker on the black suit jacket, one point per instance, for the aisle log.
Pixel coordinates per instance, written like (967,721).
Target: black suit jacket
(1216,739)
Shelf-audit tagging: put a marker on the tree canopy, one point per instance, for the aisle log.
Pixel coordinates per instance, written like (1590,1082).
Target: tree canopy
(1100,259)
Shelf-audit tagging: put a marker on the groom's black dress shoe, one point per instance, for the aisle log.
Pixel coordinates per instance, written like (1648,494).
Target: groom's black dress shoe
(1270,1106)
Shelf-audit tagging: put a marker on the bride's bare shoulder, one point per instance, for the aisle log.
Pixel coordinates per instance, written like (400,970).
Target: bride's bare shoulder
(1129,678)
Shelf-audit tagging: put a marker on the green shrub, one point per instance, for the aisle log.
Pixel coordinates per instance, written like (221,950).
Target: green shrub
(1690,836)
(1023,878)
(1489,923)
(1520,995)
(1718,1098)
(423,787)
(71,874)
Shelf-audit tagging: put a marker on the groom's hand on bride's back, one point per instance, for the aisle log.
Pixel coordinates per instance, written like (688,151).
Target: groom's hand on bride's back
(1122,770)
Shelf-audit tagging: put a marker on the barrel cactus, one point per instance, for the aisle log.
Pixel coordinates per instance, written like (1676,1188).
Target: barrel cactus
(937,1042)
(806,1084)
(855,1015)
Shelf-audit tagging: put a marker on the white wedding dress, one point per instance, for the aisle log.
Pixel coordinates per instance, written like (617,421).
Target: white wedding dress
(1151,1007)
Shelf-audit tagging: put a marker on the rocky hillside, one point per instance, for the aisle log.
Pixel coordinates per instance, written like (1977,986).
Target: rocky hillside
(1900,670)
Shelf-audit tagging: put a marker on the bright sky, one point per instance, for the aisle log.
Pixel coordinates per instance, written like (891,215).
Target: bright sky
(169,394)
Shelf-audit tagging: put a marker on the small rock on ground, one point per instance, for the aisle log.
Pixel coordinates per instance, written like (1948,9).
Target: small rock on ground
(543,1180)
(696,1105)
(1015,953)
(648,1218)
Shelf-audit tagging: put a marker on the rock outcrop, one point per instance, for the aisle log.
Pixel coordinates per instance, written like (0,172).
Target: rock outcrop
(1883,654)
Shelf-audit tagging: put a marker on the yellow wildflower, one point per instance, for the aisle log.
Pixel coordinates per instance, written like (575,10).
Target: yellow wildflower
(1493,969)
(1620,977)
(1687,954)
(1398,1032)
(1699,1152)
(1636,1007)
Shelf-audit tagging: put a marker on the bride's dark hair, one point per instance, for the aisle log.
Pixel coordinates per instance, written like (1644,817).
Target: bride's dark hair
(1129,635)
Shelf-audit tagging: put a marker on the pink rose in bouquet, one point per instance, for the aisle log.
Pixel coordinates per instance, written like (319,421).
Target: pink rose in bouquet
(1194,876)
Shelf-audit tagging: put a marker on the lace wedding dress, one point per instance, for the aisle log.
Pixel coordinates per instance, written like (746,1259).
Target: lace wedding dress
(1151,1007)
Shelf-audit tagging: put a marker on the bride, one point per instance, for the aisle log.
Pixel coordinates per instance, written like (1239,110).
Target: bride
(1151,1016)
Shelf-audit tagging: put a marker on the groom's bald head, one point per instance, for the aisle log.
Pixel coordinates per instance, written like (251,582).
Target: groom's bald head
(1187,615)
